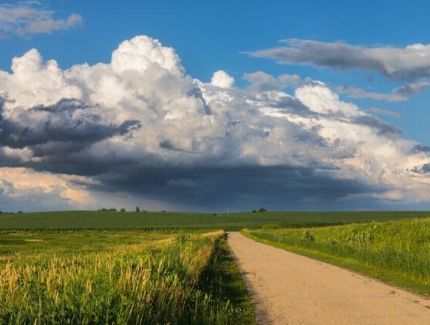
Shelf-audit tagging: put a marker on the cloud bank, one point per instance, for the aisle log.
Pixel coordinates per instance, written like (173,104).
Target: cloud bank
(396,63)
(410,64)
(139,127)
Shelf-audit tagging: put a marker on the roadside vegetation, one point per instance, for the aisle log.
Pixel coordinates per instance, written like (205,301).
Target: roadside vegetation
(92,277)
(397,252)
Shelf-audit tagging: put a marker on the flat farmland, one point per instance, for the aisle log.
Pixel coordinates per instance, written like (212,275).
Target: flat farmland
(72,220)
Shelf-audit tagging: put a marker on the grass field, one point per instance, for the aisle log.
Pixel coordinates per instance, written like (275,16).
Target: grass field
(177,220)
(91,277)
(397,252)
(175,268)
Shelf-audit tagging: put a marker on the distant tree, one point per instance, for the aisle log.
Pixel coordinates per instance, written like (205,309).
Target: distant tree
(254,211)
(262,209)
(122,210)
(137,209)
(19,211)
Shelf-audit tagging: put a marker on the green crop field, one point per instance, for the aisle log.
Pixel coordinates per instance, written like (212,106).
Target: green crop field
(177,220)
(397,252)
(120,277)
(87,267)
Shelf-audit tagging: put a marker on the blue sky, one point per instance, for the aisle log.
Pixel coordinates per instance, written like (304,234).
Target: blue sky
(352,49)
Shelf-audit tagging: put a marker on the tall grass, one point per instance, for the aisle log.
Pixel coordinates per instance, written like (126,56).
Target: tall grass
(155,284)
(397,251)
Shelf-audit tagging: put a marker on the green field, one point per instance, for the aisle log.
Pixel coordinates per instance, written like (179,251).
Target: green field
(177,220)
(119,277)
(397,252)
(175,268)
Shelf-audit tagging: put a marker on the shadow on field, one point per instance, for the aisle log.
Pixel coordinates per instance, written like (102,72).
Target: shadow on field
(223,281)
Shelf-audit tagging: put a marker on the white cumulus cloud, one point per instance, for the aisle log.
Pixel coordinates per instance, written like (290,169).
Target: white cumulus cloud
(222,79)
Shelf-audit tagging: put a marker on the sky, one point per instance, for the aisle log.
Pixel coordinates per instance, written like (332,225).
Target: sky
(214,106)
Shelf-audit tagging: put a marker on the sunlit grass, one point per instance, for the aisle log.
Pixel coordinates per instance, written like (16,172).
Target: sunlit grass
(128,277)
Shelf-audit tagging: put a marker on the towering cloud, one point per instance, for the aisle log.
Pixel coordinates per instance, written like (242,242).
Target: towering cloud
(142,127)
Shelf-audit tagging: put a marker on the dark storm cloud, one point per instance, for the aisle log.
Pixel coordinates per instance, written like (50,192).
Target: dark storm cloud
(63,128)
(243,187)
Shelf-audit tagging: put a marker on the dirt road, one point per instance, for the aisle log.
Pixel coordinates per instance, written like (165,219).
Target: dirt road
(292,289)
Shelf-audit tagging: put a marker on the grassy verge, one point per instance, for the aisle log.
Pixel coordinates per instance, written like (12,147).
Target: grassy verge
(224,281)
(395,252)
(119,278)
